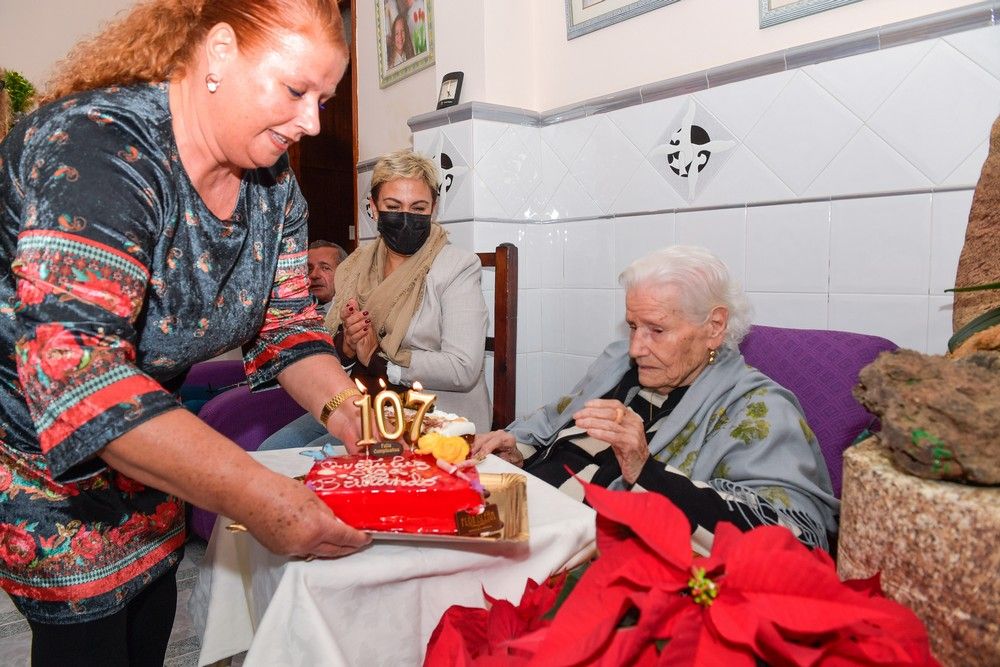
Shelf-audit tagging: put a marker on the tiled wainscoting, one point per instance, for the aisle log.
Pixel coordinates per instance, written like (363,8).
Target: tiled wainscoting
(837,192)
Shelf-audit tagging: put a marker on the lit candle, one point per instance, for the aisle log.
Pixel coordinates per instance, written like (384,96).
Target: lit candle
(365,403)
(415,398)
(391,397)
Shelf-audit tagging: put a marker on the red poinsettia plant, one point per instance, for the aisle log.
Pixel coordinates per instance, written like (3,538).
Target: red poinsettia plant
(760,597)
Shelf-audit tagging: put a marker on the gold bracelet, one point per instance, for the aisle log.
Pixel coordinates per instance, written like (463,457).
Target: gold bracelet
(335,402)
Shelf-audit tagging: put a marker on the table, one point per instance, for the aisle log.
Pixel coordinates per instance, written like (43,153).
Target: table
(375,607)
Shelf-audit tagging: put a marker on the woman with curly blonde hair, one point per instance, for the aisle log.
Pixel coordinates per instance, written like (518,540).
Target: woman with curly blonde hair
(149,220)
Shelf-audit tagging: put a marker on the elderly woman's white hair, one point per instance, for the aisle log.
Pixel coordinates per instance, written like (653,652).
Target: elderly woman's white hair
(702,280)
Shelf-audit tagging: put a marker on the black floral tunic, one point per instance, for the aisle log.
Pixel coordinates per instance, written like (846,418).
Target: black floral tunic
(114,279)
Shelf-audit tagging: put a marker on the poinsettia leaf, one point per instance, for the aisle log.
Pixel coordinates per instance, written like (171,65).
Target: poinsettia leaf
(627,648)
(460,632)
(693,643)
(584,625)
(650,516)
(872,586)
(569,584)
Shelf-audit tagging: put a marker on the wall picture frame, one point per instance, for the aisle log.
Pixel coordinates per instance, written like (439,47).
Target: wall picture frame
(404,33)
(773,12)
(584,16)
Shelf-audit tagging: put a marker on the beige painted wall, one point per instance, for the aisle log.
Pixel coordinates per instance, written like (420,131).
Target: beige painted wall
(515,52)
(35,34)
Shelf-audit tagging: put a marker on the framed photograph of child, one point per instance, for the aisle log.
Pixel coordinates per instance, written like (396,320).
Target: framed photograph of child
(405,38)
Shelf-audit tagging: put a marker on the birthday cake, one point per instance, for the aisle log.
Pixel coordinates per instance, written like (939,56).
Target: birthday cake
(411,493)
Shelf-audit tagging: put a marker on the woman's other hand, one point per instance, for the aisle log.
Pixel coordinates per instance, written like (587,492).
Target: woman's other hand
(500,443)
(367,346)
(353,324)
(612,422)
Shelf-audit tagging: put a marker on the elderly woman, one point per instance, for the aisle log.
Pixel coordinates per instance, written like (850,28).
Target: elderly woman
(676,410)
(148,221)
(409,305)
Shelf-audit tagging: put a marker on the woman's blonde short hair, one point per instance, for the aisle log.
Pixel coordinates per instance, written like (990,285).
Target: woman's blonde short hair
(405,164)
(702,280)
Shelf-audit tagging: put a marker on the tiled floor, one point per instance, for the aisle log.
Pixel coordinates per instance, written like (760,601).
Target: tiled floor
(15,636)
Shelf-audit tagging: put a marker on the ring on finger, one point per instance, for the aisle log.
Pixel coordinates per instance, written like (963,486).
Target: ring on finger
(619,415)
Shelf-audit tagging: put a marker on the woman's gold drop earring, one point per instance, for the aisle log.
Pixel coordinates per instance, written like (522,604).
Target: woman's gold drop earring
(712,354)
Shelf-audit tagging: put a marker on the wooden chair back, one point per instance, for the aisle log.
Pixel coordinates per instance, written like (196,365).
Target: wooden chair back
(503,342)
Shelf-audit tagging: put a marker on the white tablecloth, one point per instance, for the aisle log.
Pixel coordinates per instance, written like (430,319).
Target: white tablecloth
(378,606)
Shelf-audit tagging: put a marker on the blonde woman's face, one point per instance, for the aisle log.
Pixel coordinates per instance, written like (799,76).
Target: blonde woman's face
(409,195)
(269,100)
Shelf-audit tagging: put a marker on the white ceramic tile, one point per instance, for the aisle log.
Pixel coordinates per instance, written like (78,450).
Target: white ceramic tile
(546,243)
(485,134)
(529,320)
(867,164)
(488,280)
(571,201)
(461,137)
(486,205)
(864,81)
(795,310)
(693,150)
(574,367)
(552,386)
(636,236)
(553,319)
(619,327)
(366,226)
(950,217)
(940,113)
(902,319)
(982,46)
(644,124)
(462,234)
(511,169)
(788,248)
(587,260)
(646,191)
(587,319)
(552,174)
(740,105)
(881,245)
(939,327)
(723,231)
(742,179)
(424,141)
(605,164)
(455,201)
(801,132)
(968,172)
(528,381)
(566,139)
(491,234)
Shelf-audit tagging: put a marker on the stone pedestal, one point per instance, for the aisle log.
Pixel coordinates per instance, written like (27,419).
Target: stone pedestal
(937,545)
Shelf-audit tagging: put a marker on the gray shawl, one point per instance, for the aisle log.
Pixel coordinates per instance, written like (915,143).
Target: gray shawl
(735,429)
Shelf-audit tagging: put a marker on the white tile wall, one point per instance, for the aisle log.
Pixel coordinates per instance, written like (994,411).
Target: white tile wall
(827,205)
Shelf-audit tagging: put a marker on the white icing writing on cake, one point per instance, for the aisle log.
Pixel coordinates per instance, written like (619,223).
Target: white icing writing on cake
(375,472)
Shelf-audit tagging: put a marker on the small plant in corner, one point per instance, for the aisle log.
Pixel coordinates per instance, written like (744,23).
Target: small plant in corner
(20,90)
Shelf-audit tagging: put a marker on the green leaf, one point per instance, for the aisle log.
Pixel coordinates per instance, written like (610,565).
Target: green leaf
(974,288)
(988,319)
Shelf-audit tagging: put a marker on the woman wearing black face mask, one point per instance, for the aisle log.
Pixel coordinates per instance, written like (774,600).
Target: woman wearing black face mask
(409,306)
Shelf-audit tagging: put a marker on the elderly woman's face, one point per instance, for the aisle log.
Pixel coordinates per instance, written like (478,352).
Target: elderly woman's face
(669,350)
(269,100)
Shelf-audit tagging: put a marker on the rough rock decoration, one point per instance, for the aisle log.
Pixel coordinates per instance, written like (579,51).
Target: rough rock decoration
(940,417)
(979,263)
(935,545)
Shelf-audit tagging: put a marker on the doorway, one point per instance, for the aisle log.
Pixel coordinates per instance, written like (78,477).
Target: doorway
(325,165)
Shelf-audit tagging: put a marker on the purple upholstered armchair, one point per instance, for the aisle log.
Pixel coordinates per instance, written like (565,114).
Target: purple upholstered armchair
(820,367)
(248,419)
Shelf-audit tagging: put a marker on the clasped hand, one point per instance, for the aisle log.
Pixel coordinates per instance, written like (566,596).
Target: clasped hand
(359,335)
(607,420)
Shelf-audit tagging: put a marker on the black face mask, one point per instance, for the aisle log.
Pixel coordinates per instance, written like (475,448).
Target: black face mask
(404,233)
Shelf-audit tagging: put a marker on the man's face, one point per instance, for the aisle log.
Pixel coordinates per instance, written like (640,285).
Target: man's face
(322,267)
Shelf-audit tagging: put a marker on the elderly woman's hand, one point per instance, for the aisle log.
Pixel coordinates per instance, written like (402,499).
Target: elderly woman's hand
(614,423)
(500,443)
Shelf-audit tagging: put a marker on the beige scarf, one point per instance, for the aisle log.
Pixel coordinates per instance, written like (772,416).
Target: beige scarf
(391,301)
